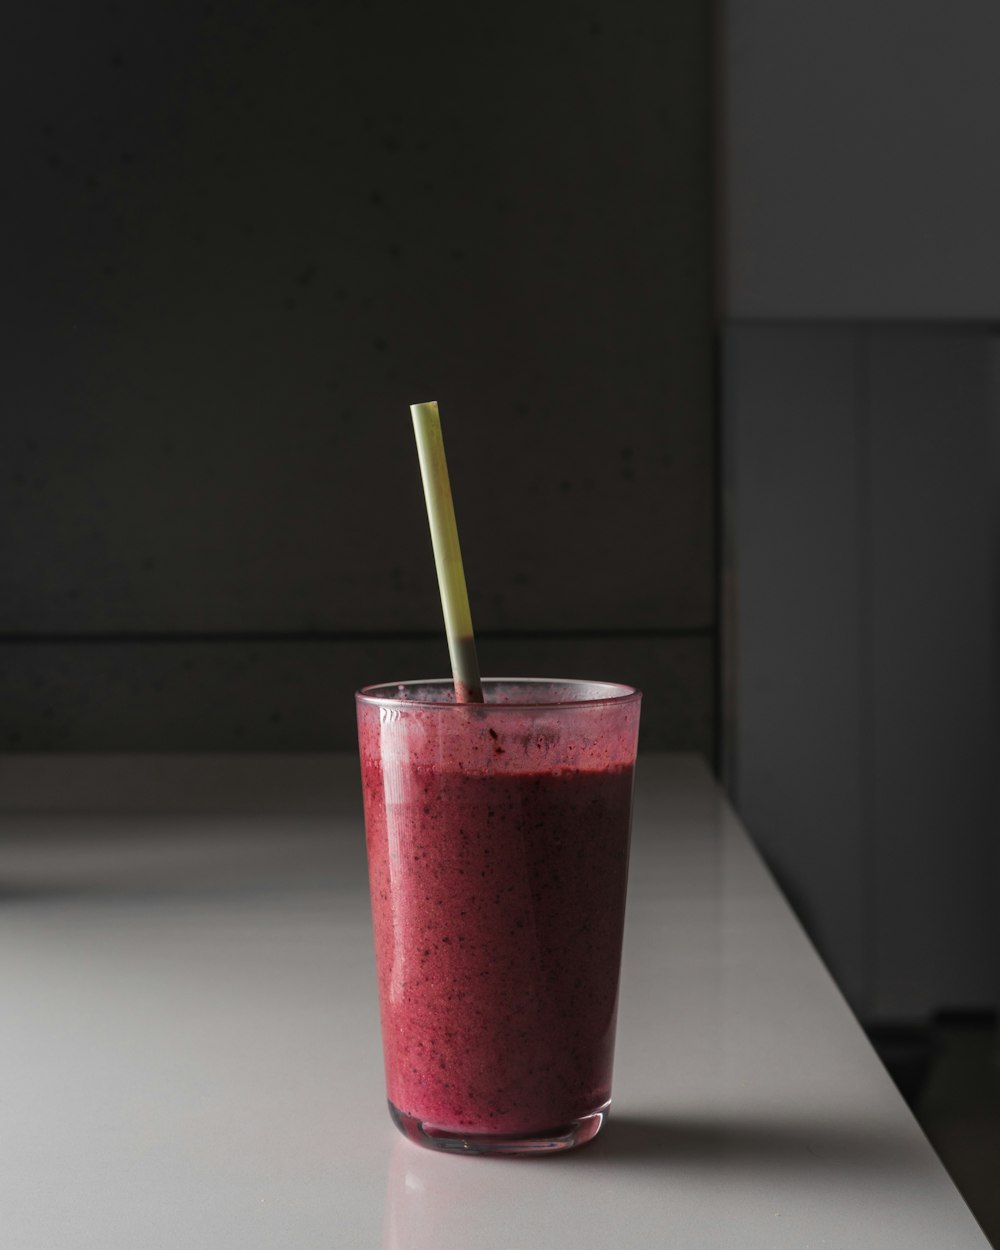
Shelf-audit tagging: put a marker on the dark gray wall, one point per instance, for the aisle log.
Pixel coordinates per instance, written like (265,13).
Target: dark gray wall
(245,238)
(861,426)
(859,159)
(862,732)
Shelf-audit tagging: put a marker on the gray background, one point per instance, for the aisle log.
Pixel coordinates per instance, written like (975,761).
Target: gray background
(858,155)
(248,236)
(860,287)
(244,237)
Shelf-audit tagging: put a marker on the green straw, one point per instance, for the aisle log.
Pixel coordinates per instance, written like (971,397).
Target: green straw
(447,553)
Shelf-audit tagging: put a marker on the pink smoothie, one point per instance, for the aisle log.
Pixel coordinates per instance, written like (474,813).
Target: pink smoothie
(498,858)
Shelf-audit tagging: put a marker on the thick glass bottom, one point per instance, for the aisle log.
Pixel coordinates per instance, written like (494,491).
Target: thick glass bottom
(551,1141)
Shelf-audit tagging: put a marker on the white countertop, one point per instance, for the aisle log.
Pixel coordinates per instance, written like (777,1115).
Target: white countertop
(190,1057)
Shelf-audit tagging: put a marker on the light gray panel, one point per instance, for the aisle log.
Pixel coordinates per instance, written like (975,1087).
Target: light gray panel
(792,525)
(858,159)
(299,696)
(934,667)
(248,236)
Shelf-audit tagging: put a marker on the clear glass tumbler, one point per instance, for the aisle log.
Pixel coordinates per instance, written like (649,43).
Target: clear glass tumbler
(498,838)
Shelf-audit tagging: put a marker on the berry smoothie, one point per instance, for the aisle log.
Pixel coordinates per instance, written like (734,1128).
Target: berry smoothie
(498,856)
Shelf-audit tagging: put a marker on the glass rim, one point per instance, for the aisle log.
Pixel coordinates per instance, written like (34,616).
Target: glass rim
(616,694)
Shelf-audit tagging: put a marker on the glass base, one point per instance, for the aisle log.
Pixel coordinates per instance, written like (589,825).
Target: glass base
(566,1137)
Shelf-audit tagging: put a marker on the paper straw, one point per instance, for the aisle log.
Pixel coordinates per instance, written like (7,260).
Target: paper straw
(447,553)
